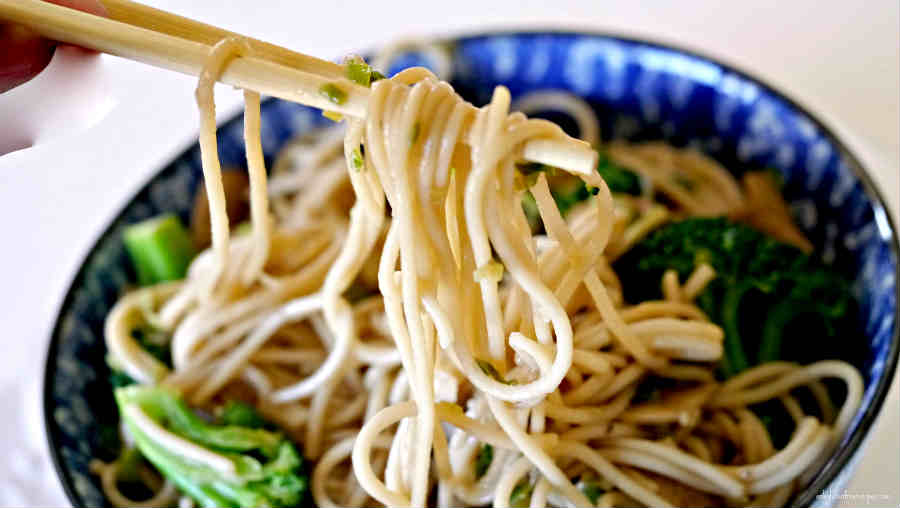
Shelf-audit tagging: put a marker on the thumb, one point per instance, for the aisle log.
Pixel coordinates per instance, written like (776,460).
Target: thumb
(25,53)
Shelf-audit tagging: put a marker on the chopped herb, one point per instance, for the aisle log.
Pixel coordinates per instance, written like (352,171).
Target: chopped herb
(333,93)
(529,206)
(360,72)
(491,270)
(530,168)
(489,370)
(334,116)
(592,491)
(521,494)
(414,135)
(356,159)
(243,228)
(483,460)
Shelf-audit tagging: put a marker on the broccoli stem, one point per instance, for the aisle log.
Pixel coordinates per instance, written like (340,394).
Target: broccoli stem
(267,468)
(735,359)
(160,249)
(773,329)
(174,468)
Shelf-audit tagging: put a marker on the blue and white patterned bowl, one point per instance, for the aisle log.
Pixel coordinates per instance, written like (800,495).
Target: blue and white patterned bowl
(640,90)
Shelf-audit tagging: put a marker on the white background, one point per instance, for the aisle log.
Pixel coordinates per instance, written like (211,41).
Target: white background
(840,58)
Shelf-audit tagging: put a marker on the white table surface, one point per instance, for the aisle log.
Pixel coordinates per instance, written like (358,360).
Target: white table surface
(838,57)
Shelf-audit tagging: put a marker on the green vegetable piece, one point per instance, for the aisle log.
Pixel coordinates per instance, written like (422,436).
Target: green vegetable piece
(356,159)
(489,370)
(529,206)
(521,494)
(734,359)
(241,414)
(762,289)
(359,72)
(483,460)
(592,490)
(160,249)
(268,469)
(244,228)
(118,379)
(154,341)
(333,93)
(618,179)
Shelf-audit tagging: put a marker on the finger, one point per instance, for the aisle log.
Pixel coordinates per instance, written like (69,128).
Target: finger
(89,6)
(24,55)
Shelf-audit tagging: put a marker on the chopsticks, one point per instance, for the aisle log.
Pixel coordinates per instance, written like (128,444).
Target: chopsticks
(155,37)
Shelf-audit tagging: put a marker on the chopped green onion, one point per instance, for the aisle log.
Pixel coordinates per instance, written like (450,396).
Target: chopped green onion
(359,71)
(160,249)
(333,93)
(483,460)
(243,228)
(356,159)
(334,116)
(491,270)
(489,370)
(521,494)
(592,491)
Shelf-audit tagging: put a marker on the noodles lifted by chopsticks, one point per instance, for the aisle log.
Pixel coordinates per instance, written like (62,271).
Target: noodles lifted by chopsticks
(491,365)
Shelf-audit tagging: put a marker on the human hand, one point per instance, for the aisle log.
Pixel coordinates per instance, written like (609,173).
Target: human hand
(25,54)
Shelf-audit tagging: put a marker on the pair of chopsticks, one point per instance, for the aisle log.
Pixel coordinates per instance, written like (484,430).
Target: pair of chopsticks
(162,39)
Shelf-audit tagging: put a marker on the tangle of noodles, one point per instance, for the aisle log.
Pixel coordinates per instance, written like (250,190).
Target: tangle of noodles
(479,334)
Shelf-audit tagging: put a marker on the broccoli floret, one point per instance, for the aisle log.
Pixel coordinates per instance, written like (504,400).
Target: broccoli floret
(267,469)
(617,178)
(762,289)
(569,190)
(240,413)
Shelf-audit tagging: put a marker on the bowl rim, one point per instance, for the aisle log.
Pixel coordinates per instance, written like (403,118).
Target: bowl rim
(838,460)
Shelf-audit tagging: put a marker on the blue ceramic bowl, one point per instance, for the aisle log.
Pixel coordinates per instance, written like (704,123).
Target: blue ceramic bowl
(640,90)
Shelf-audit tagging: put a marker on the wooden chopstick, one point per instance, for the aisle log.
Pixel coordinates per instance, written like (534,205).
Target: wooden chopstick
(299,83)
(169,41)
(144,16)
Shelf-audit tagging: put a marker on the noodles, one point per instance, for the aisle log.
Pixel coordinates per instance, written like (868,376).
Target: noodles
(482,364)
